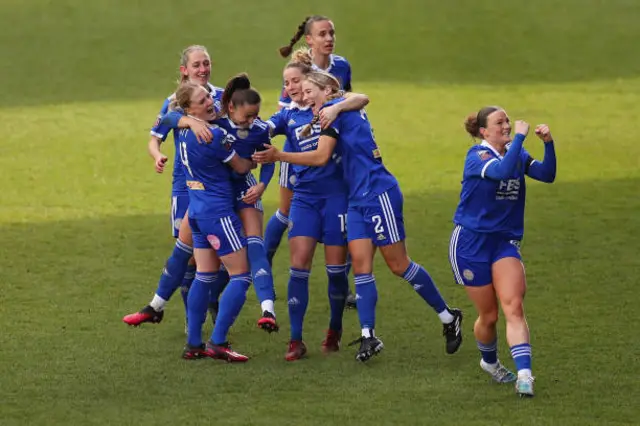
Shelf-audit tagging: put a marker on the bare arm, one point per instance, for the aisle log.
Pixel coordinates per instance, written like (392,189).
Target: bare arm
(352,102)
(154,151)
(317,158)
(240,165)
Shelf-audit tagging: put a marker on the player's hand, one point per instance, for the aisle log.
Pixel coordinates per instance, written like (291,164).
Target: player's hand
(254,193)
(268,155)
(328,115)
(522,127)
(161,160)
(201,130)
(543,132)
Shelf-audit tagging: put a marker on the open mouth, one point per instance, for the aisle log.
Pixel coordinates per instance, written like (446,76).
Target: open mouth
(210,110)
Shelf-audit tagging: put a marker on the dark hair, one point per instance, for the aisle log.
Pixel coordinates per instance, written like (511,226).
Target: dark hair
(238,91)
(303,29)
(474,122)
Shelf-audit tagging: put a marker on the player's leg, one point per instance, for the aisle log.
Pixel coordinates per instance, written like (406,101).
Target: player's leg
(304,233)
(170,280)
(385,225)
(470,256)
(510,284)
(334,218)
(227,239)
(362,251)
(279,222)
(198,296)
(251,218)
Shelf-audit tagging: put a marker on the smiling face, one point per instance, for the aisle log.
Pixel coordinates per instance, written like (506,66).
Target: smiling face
(293,78)
(201,105)
(197,68)
(313,96)
(498,128)
(321,37)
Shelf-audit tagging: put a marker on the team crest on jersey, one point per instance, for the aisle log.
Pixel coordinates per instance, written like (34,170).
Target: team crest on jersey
(468,274)
(376,153)
(214,241)
(195,185)
(242,133)
(484,155)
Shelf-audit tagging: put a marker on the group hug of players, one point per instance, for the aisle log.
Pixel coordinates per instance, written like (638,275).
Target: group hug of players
(334,190)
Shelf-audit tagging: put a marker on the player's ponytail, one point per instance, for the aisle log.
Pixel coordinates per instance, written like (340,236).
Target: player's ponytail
(238,91)
(285,51)
(475,121)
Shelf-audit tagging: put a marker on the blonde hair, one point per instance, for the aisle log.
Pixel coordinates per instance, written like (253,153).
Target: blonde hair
(301,60)
(184,58)
(182,98)
(323,80)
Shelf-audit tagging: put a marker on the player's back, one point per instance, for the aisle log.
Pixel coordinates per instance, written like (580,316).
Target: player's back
(362,163)
(324,181)
(488,205)
(207,176)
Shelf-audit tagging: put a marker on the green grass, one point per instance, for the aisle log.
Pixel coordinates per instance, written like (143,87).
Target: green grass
(85,220)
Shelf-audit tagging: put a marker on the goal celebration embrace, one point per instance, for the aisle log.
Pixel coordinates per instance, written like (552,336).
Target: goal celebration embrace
(334,190)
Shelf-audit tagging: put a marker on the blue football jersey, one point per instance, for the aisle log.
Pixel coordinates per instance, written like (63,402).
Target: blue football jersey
(322,181)
(207,176)
(246,141)
(161,131)
(339,67)
(365,174)
(492,206)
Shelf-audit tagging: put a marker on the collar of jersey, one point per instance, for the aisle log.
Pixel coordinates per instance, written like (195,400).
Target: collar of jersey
(294,105)
(317,68)
(233,125)
(488,145)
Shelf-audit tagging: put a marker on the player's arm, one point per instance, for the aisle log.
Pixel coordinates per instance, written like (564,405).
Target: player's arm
(495,169)
(317,158)
(352,102)
(154,151)
(178,120)
(544,171)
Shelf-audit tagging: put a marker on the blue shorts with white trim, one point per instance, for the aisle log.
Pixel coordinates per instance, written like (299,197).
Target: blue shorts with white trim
(179,207)
(471,255)
(380,219)
(223,234)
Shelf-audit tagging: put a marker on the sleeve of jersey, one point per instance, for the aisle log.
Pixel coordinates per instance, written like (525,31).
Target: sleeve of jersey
(160,130)
(545,171)
(171,119)
(347,80)
(495,169)
(278,123)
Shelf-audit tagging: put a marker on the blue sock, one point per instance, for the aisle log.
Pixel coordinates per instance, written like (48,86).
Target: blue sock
(276,226)
(174,270)
(218,286)
(338,290)
(186,283)
(422,283)
(231,303)
(366,299)
(197,306)
(489,351)
(298,296)
(260,269)
(521,355)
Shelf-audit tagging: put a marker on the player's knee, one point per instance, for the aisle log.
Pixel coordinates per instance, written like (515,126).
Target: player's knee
(399,265)
(301,260)
(513,309)
(488,318)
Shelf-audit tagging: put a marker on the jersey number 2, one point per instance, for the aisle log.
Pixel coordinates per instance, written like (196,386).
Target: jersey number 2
(378,229)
